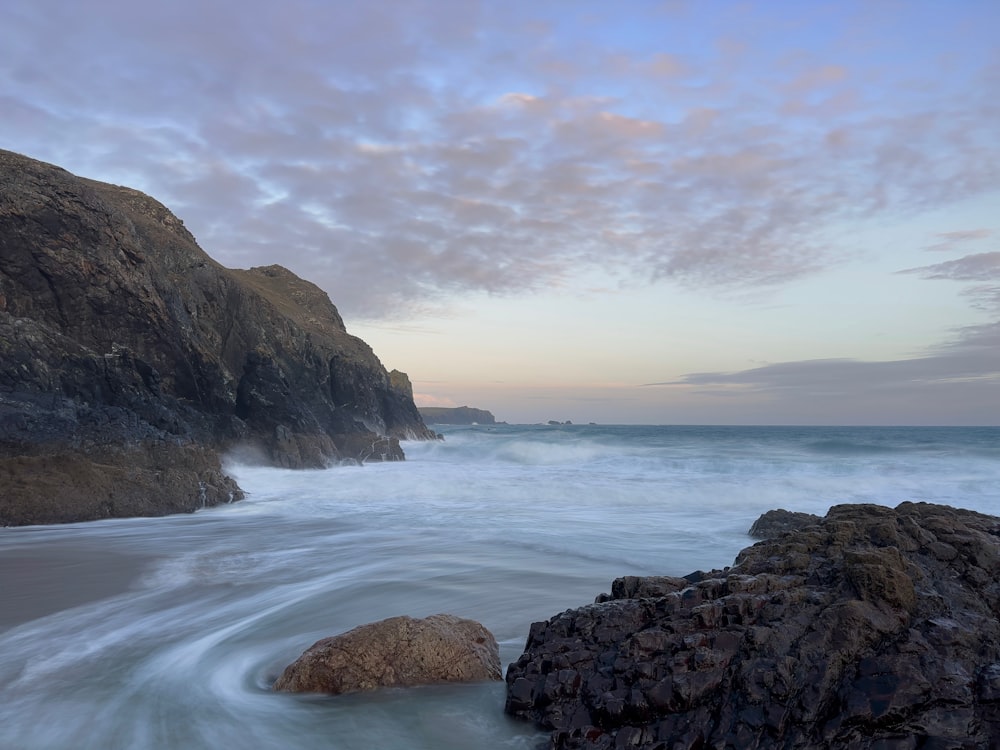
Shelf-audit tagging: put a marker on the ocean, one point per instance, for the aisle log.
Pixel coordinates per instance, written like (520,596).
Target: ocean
(166,633)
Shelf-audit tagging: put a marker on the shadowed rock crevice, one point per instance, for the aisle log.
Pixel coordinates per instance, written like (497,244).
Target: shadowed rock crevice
(124,346)
(872,628)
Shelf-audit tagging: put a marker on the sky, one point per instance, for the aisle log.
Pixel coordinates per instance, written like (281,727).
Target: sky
(705,212)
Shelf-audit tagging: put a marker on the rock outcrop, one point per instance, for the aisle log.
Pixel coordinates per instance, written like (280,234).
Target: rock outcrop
(456,415)
(398,652)
(129,360)
(874,628)
(780,521)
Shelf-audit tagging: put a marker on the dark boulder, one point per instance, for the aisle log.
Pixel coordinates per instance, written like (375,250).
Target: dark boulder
(780,521)
(874,628)
(398,652)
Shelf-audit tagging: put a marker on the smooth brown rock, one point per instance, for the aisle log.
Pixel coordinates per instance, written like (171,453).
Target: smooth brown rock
(151,480)
(398,652)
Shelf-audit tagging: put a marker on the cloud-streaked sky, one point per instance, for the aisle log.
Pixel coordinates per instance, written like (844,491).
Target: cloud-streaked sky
(636,212)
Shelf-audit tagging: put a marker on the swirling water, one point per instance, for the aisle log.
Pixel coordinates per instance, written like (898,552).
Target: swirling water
(166,633)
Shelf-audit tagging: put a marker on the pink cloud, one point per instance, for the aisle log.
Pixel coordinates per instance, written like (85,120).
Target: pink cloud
(490,148)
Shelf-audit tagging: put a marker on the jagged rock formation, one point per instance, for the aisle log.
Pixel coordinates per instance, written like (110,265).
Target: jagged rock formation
(456,415)
(874,628)
(398,652)
(130,359)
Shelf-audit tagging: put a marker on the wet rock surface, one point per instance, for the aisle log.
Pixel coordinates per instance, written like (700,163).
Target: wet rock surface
(874,628)
(124,346)
(398,652)
(780,521)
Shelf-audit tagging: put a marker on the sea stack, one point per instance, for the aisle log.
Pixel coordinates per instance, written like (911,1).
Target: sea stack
(130,361)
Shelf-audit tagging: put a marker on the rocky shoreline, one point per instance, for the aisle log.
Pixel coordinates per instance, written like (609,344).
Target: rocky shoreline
(132,361)
(871,628)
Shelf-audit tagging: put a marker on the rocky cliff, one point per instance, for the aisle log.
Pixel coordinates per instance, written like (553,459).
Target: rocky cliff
(130,360)
(872,628)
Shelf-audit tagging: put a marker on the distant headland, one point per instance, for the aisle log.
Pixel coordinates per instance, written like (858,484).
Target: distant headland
(456,415)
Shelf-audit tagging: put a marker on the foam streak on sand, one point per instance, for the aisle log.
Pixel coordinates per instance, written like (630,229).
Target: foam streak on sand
(167,633)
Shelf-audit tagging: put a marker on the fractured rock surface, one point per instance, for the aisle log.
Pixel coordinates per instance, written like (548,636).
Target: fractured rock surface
(874,628)
(780,521)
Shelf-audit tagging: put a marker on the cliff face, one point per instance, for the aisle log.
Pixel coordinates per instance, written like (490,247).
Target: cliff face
(125,348)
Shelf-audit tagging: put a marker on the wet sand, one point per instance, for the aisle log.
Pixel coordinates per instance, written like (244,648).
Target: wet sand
(39,582)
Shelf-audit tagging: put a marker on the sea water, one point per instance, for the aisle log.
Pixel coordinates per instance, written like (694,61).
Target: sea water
(167,633)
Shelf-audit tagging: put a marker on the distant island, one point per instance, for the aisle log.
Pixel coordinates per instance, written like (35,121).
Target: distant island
(455,415)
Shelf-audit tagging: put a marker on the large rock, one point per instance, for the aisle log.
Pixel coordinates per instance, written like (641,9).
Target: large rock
(73,486)
(875,628)
(398,652)
(124,347)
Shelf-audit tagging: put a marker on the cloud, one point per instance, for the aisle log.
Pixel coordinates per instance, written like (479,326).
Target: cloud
(665,65)
(984,298)
(426,399)
(978,267)
(430,148)
(949,240)
(981,268)
(956,382)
